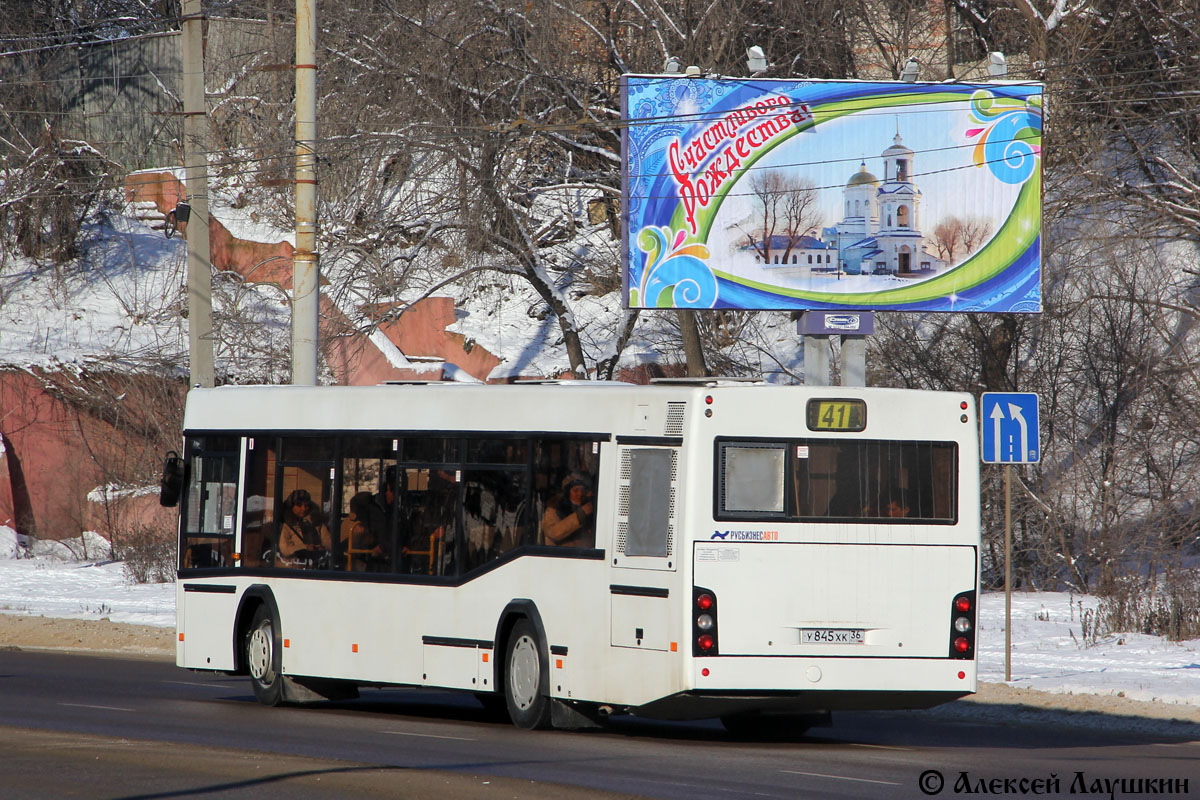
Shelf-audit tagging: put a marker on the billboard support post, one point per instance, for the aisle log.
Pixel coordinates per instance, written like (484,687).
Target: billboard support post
(854,361)
(816,360)
(853,327)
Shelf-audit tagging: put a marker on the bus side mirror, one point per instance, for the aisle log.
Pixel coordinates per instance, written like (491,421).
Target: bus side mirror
(171,484)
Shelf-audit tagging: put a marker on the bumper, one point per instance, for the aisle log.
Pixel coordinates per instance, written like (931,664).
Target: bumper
(733,684)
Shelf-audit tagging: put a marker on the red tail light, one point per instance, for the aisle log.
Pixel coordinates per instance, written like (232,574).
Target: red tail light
(962,625)
(704,622)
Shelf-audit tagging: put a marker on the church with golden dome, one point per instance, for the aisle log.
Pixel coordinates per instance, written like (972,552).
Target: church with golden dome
(880,231)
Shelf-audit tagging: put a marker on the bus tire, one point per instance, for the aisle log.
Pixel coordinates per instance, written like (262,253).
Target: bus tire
(263,659)
(525,690)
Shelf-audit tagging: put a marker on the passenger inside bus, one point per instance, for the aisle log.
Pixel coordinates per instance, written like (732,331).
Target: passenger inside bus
(430,514)
(304,540)
(359,535)
(382,516)
(570,516)
(886,507)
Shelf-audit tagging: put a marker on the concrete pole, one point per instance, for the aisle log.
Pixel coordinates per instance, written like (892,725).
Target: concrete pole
(195,162)
(854,361)
(816,360)
(306,276)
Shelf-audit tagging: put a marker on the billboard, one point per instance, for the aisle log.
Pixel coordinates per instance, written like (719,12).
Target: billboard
(796,194)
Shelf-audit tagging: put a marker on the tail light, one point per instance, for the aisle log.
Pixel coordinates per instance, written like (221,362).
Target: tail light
(962,626)
(704,622)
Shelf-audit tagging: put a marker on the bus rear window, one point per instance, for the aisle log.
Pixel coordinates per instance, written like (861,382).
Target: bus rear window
(752,478)
(839,480)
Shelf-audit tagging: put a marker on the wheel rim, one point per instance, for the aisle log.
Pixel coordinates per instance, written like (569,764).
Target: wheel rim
(524,673)
(259,654)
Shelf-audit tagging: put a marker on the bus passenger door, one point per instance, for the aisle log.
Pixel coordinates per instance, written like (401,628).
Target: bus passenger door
(644,559)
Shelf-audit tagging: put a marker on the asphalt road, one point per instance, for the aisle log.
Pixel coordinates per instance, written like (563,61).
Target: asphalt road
(94,727)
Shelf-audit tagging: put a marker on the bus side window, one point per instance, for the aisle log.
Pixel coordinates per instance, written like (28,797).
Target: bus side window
(431,514)
(555,463)
(366,519)
(289,535)
(493,504)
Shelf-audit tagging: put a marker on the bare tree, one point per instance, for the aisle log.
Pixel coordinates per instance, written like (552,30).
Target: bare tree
(957,238)
(787,210)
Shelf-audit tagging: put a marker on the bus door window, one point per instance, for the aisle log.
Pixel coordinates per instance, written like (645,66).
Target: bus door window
(258,505)
(210,503)
(305,493)
(649,527)
(367,512)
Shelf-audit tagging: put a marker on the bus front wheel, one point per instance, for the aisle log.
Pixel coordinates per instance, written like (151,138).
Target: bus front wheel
(263,659)
(525,692)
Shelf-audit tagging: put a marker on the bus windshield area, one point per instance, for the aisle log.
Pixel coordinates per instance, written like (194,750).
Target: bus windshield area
(882,481)
(437,505)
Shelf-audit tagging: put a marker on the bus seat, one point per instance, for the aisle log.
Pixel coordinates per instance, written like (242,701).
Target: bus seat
(433,552)
(357,557)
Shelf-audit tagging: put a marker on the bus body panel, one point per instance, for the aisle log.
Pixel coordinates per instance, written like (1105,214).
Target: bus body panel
(898,596)
(204,624)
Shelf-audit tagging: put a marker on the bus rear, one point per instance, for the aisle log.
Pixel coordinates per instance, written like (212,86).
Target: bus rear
(835,563)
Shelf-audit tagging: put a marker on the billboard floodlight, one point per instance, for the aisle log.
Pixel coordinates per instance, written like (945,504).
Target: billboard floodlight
(997,66)
(756,60)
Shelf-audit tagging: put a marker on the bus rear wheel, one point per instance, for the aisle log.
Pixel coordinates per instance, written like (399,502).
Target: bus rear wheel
(525,692)
(263,659)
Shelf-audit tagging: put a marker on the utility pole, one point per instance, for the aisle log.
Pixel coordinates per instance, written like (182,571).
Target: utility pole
(306,276)
(195,162)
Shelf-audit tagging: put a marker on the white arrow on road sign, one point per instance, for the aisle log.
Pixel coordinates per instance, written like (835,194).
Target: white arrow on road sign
(997,415)
(1015,411)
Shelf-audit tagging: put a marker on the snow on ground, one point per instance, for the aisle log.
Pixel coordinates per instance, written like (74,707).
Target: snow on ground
(1048,648)
(1048,652)
(57,582)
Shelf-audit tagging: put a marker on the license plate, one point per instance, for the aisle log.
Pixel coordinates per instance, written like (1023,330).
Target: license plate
(831,636)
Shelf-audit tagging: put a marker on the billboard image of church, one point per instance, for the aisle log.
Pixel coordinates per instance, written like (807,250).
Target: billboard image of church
(831,194)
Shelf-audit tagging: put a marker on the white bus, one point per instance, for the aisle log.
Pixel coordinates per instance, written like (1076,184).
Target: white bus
(683,550)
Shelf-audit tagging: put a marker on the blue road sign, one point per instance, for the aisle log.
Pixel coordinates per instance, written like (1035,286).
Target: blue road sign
(1009,422)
